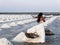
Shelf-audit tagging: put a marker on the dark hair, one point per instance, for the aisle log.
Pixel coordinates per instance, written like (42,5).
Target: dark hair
(39,16)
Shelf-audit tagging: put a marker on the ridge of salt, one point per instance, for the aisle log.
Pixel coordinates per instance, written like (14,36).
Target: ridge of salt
(20,23)
(5,26)
(13,24)
(4,41)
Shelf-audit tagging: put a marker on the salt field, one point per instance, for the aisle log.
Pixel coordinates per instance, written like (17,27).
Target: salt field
(12,25)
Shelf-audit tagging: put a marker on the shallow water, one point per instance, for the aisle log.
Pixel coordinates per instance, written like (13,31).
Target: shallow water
(10,33)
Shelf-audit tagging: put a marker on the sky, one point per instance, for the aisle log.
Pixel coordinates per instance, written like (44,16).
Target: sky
(29,5)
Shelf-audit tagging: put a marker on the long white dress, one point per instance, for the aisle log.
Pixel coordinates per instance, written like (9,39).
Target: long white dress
(39,29)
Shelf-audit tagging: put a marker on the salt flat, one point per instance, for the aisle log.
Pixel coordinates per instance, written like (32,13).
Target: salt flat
(11,32)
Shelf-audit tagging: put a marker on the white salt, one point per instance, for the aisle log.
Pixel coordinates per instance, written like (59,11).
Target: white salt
(5,26)
(4,41)
(20,37)
(20,23)
(13,24)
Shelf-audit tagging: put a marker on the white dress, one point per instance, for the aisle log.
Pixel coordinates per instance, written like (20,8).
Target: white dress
(39,29)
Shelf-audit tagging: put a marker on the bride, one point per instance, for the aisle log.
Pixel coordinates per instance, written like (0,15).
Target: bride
(36,34)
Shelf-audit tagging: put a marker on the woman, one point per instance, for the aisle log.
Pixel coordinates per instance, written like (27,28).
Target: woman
(36,34)
(37,31)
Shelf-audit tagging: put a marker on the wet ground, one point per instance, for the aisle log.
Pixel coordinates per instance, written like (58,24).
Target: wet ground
(10,33)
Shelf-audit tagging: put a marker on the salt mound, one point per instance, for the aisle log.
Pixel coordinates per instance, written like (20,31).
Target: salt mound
(20,23)
(5,26)
(1,21)
(4,41)
(13,24)
(19,38)
(25,21)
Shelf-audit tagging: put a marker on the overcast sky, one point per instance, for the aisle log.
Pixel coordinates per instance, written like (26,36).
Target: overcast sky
(29,5)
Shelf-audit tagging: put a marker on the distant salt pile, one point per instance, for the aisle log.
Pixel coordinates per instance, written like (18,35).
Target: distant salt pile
(13,24)
(34,19)
(5,26)
(25,21)
(25,16)
(49,16)
(1,21)
(20,23)
(28,21)
(4,41)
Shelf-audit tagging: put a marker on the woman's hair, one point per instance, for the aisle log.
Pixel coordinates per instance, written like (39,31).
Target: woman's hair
(39,16)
